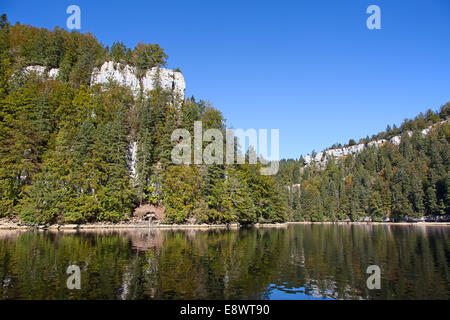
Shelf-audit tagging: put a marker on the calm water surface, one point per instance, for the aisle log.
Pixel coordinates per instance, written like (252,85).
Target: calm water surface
(297,262)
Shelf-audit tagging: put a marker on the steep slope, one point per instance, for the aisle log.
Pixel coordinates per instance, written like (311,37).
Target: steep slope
(321,158)
(402,176)
(86,136)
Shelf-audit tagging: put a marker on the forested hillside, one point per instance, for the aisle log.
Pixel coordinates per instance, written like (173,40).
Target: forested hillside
(64,144)
(387,182)
(65,150)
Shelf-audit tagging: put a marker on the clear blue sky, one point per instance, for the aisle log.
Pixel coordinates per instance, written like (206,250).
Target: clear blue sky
(310,68)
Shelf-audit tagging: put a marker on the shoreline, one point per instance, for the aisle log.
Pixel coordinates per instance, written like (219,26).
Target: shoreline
(374,223)
(9,225)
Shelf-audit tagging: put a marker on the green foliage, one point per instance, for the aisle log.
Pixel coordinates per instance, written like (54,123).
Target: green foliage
(147,56)
(65,147)
(120,53)
(84,177)
(75,54)
(409,180)
(181,193)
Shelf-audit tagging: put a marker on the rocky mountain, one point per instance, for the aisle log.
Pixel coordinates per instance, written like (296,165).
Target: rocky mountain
(126,75)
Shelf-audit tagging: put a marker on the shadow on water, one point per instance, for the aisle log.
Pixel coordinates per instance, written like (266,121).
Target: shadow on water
(298,262)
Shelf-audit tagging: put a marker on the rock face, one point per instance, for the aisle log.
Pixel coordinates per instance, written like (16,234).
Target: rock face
(126,75)
(53,73)
(132,159)
(40,71)
(377,143)
(396,140)
(321,157)
(169,80)
(123,75)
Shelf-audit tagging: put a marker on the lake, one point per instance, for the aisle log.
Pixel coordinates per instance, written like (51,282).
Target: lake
(301,261)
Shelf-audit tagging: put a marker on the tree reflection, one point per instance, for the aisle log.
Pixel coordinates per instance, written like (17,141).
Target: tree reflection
(318,260)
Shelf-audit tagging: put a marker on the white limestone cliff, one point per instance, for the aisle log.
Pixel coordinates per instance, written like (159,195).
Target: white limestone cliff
(122,75)
(53,73)
(126,75)
(169,80)
(40,71)
(396,140)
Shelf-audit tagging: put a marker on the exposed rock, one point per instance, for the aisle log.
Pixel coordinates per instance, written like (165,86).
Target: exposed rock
(38,70)
(377,143)
(132,156)
(144,211)
(307,159)
(321,158)
(169,80)
(126,75)
(396,140)
(53,73)
(123,75)
(425,131)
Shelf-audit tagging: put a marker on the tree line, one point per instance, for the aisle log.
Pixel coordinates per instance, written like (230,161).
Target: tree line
(65,145)
(65,150)
(74,53)
(392,182)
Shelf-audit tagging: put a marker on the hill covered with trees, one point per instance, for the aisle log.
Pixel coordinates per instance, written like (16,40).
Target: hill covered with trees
(406,181)
(64,144)
(65,150)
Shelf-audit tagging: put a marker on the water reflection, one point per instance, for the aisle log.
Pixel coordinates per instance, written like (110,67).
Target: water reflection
(298,262)
(309,292)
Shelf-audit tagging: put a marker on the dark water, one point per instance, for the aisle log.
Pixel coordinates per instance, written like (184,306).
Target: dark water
(297,262)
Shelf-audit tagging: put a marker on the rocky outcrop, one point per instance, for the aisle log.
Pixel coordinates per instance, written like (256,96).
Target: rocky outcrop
(168,80)
(396,140)
(126,75)
(132,159)
(321,158)
(377,143)
(53,73)
(337,153)
(122,75)
(40,71)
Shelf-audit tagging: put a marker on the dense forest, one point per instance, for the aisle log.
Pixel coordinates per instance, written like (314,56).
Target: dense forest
(64,144)
(396,182)
(65,150)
